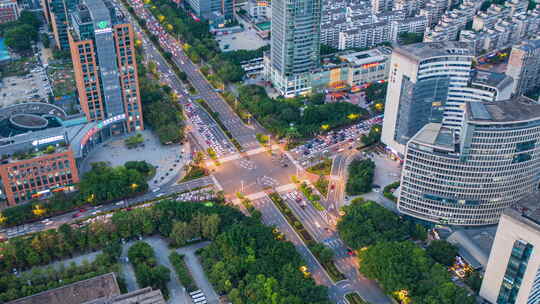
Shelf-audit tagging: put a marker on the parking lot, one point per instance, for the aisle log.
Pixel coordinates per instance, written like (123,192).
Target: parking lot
(30,87)
(325,143)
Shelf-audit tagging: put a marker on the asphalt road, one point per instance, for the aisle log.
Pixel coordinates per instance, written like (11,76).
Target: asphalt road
(318,225)
(57,221)
(255,173)
(169,77)
(271,216)
(197,272)
(251,174)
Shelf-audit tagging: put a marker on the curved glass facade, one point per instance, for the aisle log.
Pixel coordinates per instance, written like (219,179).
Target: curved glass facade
(470,181)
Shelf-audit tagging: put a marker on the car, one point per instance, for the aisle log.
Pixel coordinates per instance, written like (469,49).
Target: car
(350,252)
(332,187)
(82,210)
(76,215)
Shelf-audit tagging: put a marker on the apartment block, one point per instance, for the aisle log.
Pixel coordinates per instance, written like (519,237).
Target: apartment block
(9,11)
(524,67)
(57,14)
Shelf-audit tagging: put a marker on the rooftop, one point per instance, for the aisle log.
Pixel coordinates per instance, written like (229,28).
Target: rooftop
(513,110)
(434,134)
(378,54)
(492,79)
(527,208)
(103,286)
(141,296)
(529,45)
(424,50)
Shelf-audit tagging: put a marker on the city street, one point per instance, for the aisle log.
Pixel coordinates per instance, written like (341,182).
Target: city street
(57,221)
(249,172)
(317,224)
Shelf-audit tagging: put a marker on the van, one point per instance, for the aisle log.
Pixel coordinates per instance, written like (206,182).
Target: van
(155,190)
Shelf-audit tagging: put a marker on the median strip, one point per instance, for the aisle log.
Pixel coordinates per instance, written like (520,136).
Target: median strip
(297,225)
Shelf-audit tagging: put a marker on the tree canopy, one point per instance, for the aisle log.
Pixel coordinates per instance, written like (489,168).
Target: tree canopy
(442,252)
(103,183)
(252,266)
(296,117)
(366,223)
(403,266)
(20,34)
(360,178)
(160,109)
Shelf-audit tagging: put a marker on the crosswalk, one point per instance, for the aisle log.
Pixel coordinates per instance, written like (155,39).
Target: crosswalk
(247,164)
(267,181)
(334,243)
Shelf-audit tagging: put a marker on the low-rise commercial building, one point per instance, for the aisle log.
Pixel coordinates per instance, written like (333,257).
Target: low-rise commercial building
(354,69)
(41,149)
(101,289)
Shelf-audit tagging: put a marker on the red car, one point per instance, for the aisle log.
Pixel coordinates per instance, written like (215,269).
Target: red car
(350,252)
(76,215)
(332,187)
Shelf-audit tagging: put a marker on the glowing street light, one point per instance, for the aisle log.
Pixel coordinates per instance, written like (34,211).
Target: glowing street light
(38,210)
(353,116)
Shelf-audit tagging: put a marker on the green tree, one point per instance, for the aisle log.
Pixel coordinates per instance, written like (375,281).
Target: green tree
(181,233)
(442,252)
(360,178)
(374,135)
(20,38)
(322,252)
(30,19)
(366,223)
(410,38)
(210,227)
(404,266)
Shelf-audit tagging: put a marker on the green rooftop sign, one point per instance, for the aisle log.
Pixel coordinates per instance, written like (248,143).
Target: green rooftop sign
(103,24)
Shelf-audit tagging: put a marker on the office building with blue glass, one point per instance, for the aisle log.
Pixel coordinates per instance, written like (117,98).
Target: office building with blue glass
(513,271)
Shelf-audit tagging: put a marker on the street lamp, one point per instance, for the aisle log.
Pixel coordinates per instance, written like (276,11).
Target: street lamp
(353,116)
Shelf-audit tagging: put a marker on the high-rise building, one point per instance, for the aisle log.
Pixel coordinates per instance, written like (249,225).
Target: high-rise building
(513,271)
(469,178)
(295,45)
(56,13)
(425,84)
(103,54)
(524,66)
(207,9)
